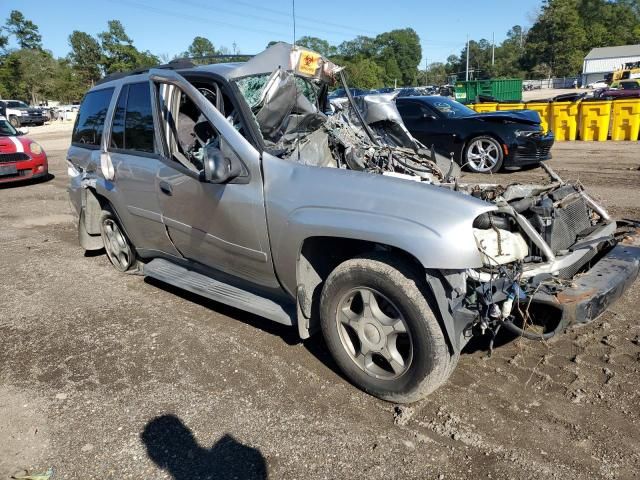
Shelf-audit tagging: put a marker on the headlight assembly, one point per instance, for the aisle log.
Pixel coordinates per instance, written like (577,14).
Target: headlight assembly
(35,148)
(527,133)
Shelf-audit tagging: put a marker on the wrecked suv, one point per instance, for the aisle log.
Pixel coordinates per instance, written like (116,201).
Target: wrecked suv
(228,181)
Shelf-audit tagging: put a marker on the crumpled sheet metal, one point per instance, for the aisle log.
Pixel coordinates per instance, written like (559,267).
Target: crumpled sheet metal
(314,150)
(295,129)
(379,107)
(278,104)
(288,57)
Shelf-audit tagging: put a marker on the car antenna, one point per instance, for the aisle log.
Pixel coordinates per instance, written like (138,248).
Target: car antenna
(295,81)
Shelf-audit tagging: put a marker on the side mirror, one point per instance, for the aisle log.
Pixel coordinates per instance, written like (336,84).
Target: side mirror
(217,167)
(23,131)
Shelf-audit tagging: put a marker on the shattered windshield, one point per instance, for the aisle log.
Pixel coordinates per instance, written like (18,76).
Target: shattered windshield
(251,88)
(284,106)
(282,88)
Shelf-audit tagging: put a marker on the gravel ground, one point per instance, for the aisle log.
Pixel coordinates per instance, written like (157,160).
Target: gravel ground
(104,375)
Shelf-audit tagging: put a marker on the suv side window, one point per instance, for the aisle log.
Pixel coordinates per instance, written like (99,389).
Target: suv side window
(132,127)
(189,131)
(87,132)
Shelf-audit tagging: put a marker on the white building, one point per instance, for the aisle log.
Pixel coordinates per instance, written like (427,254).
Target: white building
(601,61)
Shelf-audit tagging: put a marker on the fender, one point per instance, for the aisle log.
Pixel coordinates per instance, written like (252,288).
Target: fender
(431,223)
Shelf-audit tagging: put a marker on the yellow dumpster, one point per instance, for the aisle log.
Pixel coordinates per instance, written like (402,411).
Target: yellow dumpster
(486,107)
(511,106)
(544,110)
(626,119)
(564,120)
(594,120)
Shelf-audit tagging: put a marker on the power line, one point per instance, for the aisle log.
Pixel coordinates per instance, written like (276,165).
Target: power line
(244,15)
(284,13)
(193,18)
(293,14)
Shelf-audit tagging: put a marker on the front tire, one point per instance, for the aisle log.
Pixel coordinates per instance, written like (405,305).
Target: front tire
(483,155)
(119,250)
(381,330)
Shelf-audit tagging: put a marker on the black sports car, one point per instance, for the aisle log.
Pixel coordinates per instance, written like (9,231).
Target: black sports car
(483,142)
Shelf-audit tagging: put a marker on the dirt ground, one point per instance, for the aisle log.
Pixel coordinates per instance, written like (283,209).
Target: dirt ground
(109,376)
(548,93)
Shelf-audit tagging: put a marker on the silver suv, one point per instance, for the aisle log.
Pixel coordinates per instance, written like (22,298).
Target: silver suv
(232,181)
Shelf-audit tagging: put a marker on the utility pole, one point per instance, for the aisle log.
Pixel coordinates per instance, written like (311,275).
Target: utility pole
(493,49)
(426,75)
(520,37)
(467,74)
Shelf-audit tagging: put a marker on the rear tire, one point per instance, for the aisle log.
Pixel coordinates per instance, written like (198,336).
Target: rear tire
(381,330)
(119,250)
(14,121)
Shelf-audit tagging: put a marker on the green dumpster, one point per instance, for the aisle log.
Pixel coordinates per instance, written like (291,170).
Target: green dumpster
(503,90)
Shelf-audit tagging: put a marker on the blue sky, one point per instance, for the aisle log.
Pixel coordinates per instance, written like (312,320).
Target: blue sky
(168,26)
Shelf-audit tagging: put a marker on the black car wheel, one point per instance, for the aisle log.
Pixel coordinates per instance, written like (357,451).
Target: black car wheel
(14,121)
(380,328)
(483,155)
(118,248)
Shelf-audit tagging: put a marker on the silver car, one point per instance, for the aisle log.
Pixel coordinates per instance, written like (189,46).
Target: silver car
(230,181)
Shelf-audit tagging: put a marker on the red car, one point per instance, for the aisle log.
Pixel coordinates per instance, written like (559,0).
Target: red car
(20,157)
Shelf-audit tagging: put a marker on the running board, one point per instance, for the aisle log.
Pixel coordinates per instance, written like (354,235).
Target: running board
(194,282)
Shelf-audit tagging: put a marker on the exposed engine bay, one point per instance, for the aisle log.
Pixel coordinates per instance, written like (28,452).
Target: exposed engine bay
(533,244)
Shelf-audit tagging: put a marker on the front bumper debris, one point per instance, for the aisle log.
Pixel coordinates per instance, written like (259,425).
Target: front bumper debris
(591,293)
(532,150)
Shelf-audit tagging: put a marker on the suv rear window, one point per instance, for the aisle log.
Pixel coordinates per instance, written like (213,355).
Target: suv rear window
(90,123)
(132,127)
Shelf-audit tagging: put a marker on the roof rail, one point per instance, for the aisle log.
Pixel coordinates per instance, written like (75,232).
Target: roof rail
(172,65)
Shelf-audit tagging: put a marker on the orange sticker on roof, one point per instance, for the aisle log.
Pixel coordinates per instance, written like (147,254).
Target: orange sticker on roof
(308,62)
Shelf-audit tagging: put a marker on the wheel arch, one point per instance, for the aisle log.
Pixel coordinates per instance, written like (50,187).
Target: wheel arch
(89,219)
(93,203)
(319,256)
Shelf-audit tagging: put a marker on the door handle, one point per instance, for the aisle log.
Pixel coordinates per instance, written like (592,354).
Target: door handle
(166,188)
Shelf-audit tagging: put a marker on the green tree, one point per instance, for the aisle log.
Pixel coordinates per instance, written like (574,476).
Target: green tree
(118,52)
(4,40)
(317,45)
(85,57)
(509,54)
(25,31)
(361,46)
(34,73)
(402,48)
(558,38)
(200,47)
(364,73)
(435,74)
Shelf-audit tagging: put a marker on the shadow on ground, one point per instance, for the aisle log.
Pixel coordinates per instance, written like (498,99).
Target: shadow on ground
(172,447)
(315,345)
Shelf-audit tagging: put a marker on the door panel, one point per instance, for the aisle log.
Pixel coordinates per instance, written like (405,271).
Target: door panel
(131,152)
(222,226)
(136,181)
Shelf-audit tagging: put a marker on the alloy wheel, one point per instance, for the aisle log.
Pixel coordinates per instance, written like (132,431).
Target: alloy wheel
(116,245)
(483,154)
(374,333)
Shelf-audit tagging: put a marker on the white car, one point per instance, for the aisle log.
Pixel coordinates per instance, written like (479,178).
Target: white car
(598,84)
